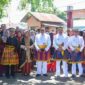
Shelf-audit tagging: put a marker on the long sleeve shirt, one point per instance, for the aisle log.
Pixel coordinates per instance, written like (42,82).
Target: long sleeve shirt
(12,41)
(75,42)
(41,39)
(59,40)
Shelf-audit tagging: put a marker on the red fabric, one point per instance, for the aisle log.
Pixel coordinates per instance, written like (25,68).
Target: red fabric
(26,68)
(51,67)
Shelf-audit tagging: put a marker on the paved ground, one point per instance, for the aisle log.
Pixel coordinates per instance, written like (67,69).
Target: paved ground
(50,80)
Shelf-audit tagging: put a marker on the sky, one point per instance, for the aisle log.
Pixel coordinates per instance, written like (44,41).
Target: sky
(14,15)
(62,4)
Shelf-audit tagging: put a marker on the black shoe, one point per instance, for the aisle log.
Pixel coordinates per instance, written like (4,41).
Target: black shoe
(7,77)
(13,75)
(81,76)
(45,75)
(1,75)
(73,76)
(38,75)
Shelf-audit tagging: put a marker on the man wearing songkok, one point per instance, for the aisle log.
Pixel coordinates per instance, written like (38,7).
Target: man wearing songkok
(10,56)
(76,45)
(42,56)
(59,43)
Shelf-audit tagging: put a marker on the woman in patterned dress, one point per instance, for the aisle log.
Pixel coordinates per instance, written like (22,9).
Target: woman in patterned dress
(19,50)
(10,57)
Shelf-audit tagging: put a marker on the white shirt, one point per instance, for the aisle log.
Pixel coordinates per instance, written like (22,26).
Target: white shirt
(76,41)
(58,40)
(42,39)
(67,42)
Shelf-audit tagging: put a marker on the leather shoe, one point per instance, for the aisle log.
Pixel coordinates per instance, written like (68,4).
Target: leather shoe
(45,75)
(38,75)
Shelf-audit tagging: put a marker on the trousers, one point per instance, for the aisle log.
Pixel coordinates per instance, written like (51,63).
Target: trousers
(9,70)
(41,67)
(65,68)
(80,68)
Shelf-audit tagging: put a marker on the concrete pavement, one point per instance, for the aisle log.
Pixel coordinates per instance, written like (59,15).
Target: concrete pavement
(50,80)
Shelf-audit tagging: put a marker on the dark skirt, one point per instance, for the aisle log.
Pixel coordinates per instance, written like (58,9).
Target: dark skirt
(52,49)
(76,57)
(83,56)
(58,55)
(22,57)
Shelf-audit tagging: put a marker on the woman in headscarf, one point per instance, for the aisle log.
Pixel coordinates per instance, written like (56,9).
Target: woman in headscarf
(19,37)
(10,56)
(32,50)
(26,64)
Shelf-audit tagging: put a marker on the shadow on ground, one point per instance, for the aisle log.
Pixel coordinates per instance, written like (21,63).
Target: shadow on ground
(32,80)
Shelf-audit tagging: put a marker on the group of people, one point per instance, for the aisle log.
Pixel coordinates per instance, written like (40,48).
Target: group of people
(15,51)
(68,49)
(20,49)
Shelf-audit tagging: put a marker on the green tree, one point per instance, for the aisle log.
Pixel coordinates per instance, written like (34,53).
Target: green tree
(35,4)
(45,6)
(3,4)
(60,14)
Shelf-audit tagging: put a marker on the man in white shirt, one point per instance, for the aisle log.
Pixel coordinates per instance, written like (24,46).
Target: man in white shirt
(59,43)
(76,44)
(42,55)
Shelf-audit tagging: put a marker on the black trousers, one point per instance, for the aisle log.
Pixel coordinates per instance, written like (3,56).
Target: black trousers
(69,67)
(9,70)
